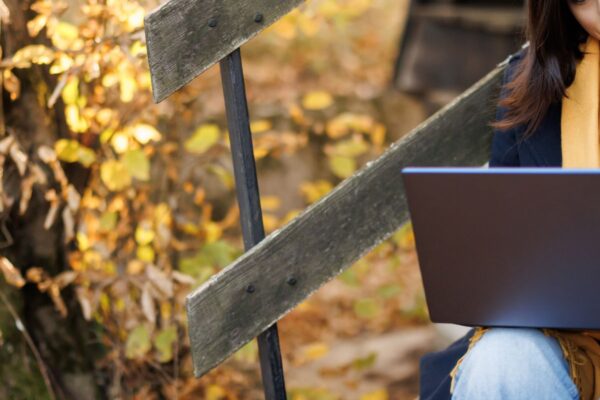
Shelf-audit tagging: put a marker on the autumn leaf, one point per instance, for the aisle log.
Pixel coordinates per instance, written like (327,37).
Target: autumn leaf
(203,138)
(342,166)
(11,84)
(366,308)
(164,341)
(380,394)
(317,100)
(69,150)
(315,351)
(138,342)
(33,54)
(115,175)
(137,164)
(11,274)
(145,133)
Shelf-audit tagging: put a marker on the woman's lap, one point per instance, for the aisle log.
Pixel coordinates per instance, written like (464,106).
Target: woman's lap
(514,363)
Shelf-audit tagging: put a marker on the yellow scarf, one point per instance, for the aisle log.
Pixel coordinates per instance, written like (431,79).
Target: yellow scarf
(580,142)
(581,149)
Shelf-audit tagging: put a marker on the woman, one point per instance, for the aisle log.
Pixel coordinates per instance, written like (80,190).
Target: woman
(547,116)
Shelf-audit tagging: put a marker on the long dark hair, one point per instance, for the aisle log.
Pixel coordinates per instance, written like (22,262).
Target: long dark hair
(548,64)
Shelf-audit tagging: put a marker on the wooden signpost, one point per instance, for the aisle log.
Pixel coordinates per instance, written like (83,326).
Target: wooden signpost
(248,297)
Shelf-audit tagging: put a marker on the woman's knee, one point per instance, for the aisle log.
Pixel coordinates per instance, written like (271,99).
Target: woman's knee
(515,360)
(511,347)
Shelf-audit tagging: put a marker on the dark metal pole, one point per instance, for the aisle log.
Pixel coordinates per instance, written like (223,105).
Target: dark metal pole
(232,77)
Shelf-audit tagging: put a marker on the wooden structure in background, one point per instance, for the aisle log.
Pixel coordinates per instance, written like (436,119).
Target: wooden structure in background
(467,37)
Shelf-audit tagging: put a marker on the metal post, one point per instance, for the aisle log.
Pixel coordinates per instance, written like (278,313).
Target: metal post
(232,78)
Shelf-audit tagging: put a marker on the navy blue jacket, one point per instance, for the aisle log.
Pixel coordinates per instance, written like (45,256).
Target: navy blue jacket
(509,149)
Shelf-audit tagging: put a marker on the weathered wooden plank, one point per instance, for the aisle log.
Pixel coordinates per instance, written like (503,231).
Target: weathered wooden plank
(331,234)
(185,37)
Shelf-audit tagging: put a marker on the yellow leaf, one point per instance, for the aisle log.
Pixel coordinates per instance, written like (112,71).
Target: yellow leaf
(33,54)
(127,86)
(215,392)
(378,134)
(11,274)
(212,231)
(341,166)
(35,25)
(260,125)
(72,151)
(66,36)
(104,116)
(120,142)
(83,243)
(260,152)
(75,120)
(11,84)
(70,92)
(144,234)
(352,147)
(135,19)
(380,394)
(270,202)
(115,175)
(145,253)
(203,138)
(145,133)
(137,164)
(61,64)
(313,191)
(317,100)
(316,350)
(347,122)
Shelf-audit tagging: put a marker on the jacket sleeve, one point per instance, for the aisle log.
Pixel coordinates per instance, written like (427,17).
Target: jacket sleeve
(504,152)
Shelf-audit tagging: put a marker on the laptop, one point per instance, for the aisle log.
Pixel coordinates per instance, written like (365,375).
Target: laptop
(513,247)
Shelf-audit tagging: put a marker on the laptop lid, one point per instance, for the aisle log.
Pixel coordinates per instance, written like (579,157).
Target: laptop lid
(508,246)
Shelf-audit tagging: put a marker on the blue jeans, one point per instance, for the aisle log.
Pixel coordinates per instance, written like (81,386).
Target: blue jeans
(513,364)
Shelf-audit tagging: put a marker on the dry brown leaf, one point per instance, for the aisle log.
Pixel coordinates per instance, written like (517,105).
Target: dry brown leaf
(11,274)
(84,302)
(54,292)
(147,304)
(65,278)
(35,274)
(4,13)
(19,157)
(160,280)
(69,224)
(26,191)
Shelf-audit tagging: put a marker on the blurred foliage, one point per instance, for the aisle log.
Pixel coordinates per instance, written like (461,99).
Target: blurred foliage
(146,228)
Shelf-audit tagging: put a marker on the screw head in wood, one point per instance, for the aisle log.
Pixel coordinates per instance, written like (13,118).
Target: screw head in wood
(291,281)
(212,22)
(250,289)
(258,18)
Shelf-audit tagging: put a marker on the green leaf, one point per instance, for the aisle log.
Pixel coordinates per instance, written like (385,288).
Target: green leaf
(137,164)
(362,363)
(138,342)
(366,308)
(390,290)
(164,343)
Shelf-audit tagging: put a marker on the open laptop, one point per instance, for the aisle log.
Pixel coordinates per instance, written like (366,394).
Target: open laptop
(508,246)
